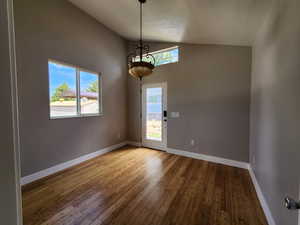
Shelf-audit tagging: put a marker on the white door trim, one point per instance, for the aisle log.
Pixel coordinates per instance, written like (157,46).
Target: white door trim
(15,110)
(299,210)
(151,144)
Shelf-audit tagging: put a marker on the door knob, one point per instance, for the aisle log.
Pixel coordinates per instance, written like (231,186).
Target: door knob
(291,204)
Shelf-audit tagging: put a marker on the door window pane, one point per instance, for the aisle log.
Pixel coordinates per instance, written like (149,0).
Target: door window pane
(154,114)
(89,93)
(62,90)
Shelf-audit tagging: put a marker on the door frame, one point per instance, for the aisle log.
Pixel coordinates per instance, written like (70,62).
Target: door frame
(299,210)
(14,109)
(149,143)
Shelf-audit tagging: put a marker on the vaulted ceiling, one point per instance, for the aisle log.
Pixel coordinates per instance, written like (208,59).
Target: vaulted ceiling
(230,22)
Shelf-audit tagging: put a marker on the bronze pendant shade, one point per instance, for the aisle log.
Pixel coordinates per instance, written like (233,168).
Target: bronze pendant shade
(138,66)
(140,69)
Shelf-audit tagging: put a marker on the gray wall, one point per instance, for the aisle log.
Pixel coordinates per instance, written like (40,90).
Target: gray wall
(58,30)
(210,87)
(275,108)
(8,194)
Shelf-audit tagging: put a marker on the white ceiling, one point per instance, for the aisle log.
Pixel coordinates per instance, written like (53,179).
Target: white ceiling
(229,22)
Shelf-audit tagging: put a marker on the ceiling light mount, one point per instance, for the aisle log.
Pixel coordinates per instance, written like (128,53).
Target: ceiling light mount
(141,62)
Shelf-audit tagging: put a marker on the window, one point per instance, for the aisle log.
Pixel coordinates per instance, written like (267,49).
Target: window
(89,93)
(73,91)
(165,56)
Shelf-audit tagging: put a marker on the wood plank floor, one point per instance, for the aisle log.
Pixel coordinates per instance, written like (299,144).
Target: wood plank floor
(135,186)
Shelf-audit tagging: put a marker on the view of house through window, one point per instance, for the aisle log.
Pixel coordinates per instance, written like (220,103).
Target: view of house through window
(165,56)
(89,93)
(73,92)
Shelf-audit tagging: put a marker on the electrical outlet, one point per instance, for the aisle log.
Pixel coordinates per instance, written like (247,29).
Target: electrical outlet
(253,161)
(175,114)
(119,135)
(192,142)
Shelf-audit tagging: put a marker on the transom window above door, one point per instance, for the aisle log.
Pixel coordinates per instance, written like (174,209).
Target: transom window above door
(164,56)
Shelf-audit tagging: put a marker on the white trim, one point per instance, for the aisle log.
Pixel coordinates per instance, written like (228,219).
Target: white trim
(133,143)
(164,50)
(228,162)
(156,147)
(75,116)
(161,145)
(262,199)
(160,51)
(233,163)
(44,173)
(15,110)
(209,158)
(79,114)
(299,210)
(78,93)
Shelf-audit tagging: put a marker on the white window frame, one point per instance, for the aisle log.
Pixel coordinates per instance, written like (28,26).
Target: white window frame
(161,51)
(78,103)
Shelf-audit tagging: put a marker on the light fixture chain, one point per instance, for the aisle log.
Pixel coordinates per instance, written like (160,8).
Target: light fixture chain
(140,68)
(141,31)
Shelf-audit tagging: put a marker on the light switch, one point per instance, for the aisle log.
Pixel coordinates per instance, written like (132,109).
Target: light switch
(175,114)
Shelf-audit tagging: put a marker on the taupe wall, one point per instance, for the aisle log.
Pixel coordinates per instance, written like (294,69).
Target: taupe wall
(8,194)
(210,87)
(58,30)
(275,108)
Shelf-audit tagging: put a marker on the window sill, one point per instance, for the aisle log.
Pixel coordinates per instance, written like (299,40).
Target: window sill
(74,117)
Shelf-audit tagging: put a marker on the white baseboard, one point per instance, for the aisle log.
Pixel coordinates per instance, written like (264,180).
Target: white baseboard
(133,143)
(233,163)
(209,158)
(262,199)
(44,173)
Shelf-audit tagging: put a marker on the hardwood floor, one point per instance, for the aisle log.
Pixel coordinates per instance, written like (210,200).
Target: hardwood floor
(135,186)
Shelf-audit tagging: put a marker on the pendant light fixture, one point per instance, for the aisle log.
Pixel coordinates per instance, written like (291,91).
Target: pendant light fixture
(141,62)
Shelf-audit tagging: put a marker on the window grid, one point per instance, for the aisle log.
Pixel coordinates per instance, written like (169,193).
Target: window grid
(78,92)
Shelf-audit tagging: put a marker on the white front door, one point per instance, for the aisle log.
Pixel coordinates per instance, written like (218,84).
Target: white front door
(154,116)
